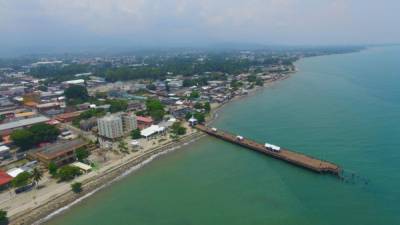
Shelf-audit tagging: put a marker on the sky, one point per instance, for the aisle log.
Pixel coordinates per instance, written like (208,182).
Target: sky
(35,24)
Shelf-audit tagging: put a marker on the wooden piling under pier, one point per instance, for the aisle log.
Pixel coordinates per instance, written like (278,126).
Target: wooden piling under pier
(294,158)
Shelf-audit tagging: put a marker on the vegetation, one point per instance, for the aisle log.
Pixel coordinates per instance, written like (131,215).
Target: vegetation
(194,95)
(36,134)
(207,107)
(76,187)
(67,173)
(117,105)
(3,217)
(22,179)
(58,70)
(37,175)
(53,169)
(88,114)
(76,94)
(135,134)
(178,129)
(82,153)
(155,109)
(151,87)
(122,146)
(200,117)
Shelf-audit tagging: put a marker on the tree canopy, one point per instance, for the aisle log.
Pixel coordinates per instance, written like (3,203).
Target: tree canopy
(76,93)
(22,179)
(67,173)
(36,134)
(155,109)
(82,153)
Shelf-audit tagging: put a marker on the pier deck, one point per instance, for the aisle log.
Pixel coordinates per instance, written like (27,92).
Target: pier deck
(294,158)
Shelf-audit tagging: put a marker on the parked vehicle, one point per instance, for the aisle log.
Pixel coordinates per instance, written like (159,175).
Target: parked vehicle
(272,147)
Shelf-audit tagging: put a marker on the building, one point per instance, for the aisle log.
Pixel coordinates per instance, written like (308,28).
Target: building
(7,128)
(5,180)
(48,106)
(4,152)
(143,122)
(60,153)
(152,130)
(68,117)
(110,126)
(14,172)
(129,122)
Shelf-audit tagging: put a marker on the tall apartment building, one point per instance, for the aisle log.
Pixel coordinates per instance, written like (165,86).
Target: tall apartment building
(110,126)
(129,122)
(115,126)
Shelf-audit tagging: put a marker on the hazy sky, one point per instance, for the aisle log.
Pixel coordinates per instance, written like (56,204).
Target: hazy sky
(33,23)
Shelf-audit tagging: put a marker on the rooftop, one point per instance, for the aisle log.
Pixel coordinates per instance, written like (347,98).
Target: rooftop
(60,148)
(22,123)
(4,178)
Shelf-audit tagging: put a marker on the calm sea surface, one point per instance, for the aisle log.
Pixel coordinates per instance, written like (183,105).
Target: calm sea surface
(342,108)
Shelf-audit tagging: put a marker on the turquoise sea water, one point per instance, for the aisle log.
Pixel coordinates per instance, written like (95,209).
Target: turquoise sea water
(342,108)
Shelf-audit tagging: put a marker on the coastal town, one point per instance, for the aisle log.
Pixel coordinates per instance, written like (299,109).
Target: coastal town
(71,124)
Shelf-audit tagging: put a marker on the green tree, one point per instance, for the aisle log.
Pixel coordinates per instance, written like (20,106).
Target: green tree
(117,105)
(3,217)
(252,78)
(188,115)
(67,172)
(37,175)
(200,117)
(23,138)
(44,133)
(22,179)
(28,138)
(76,92)
(135,134)
(207,107)
(122,146)
(151,87)
(42,88)
(259,82)
(53,169)
(198,105)
(178,129)
(155,109)
(82,153)
(194,95)
(76,187)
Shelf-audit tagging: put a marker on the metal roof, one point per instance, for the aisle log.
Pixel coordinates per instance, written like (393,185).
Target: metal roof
(22,123)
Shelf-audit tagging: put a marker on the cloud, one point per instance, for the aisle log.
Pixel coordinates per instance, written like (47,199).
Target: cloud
(164,21)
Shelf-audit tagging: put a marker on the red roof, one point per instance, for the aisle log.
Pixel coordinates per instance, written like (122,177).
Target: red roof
(144,119)
(4,178)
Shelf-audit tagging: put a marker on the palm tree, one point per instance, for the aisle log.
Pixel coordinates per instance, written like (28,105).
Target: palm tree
(37,175)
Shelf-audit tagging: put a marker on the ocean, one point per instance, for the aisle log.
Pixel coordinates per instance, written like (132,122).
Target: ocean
(343,108)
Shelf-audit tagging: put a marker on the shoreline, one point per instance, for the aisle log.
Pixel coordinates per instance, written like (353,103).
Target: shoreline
(59,204)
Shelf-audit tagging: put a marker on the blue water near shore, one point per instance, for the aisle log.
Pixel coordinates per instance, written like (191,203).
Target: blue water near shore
(342,108)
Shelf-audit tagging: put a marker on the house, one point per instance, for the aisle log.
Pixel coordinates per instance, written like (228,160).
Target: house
(144,122)
(5,180)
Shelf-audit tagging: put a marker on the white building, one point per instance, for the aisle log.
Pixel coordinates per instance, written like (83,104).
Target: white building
(110,127)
